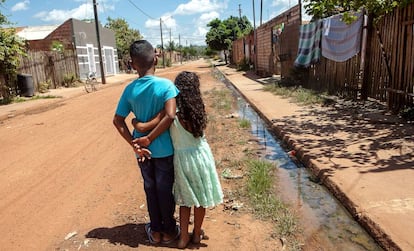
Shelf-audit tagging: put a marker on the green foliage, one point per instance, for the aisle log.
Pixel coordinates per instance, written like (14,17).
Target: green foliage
(222,100)
(44,86)
(216,37)
(260,178)
(266,205)
(171,46)
(244,123)
(326,8)
(57,46)
(243,65)
(11,47)
(223,33)
(407,114)
(124,36)
(23,99)
(69,80)
(210,52)
(296,93)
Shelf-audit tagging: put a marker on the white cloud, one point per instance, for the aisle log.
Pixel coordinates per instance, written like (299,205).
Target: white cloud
(285,4)
(168,21)
(199,6)
(21,6)
(84,11)
(207,17)
(202,22)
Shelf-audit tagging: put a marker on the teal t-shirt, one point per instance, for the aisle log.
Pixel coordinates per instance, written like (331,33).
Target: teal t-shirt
(145,97)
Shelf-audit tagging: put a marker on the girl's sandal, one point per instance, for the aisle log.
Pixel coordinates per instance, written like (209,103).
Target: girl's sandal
(197,239)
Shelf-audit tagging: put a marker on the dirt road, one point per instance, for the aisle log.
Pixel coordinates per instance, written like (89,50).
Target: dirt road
(69,182)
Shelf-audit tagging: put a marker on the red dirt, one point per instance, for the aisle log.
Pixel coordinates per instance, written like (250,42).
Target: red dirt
(69,181)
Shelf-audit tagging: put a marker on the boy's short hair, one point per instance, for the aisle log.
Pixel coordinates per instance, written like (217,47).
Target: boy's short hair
(142,53)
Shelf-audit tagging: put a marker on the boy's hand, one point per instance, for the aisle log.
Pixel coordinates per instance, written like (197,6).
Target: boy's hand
(143,153)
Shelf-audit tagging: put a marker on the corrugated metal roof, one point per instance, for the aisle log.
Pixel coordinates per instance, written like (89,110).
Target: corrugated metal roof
(36,32)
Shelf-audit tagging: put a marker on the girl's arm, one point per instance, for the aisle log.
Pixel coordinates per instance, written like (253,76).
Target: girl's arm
(164,124)
(148,126)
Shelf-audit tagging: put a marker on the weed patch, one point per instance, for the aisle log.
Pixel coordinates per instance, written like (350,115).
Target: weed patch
(267,206)
(296,93)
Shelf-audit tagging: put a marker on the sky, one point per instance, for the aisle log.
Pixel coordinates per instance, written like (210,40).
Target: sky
(183,21)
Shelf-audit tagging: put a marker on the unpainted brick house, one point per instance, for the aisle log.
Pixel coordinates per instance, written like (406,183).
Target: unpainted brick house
(81,37)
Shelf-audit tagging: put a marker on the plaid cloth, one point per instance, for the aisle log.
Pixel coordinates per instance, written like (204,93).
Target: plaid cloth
(309,51)
(341,41)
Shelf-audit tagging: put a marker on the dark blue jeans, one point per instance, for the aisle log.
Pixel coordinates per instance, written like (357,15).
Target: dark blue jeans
(158,175)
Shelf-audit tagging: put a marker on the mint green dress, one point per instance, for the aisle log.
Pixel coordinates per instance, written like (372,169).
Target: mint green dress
(196,180)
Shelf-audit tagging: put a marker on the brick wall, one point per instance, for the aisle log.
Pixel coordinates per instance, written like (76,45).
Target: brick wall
(62,34)
(271,57)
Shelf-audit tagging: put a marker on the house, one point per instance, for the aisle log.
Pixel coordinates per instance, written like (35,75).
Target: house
(79,36)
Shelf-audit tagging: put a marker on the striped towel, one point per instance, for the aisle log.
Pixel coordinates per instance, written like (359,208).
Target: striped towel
(309,51)
(341,41)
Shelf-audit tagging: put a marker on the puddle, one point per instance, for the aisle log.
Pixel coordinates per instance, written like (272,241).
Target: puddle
(323,218)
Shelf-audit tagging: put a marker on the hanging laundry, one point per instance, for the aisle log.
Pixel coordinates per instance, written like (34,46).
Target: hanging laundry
(341,41)
(309,51)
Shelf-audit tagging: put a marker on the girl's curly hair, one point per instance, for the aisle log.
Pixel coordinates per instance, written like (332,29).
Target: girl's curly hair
(190,104)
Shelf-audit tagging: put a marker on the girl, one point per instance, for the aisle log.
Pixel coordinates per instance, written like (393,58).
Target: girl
(196,181)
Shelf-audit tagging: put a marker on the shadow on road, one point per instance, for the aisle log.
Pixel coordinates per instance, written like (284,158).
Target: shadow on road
(129,234)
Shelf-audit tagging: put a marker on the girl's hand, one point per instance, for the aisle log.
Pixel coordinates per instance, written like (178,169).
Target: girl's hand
(142,141)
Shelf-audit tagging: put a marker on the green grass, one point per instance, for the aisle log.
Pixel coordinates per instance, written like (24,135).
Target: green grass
(298,94)
(260,190)
(222,100)
(24,99)
(244,123)
(20,99)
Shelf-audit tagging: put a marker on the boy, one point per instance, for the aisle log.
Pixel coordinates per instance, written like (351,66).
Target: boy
(145,97)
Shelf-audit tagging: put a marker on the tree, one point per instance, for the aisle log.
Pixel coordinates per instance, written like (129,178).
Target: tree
(124,37)
(171,46)
(223,33)
(11,47)
(326,8)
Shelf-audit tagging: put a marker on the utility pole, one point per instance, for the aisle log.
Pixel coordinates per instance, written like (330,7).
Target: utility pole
(240,11)
(95,11)
(261,11)
(171,47)
(181,49)
(254,38)
(162,45)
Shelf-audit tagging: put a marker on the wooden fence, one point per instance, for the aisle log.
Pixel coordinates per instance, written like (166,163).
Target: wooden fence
(388,75)
(385,74)
(49,66)
(391,70)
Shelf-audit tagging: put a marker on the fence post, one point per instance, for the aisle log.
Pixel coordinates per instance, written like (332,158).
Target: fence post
(365,54)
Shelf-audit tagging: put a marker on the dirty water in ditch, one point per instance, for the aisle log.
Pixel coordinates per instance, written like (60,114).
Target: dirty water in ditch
(323,218)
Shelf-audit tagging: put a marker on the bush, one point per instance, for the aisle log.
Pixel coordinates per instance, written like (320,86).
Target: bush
(44,86)
(243,65)
(11,47)
(69,80)
(407,114)
(6,95)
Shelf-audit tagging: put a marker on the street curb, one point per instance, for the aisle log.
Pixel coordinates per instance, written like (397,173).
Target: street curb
(376,232)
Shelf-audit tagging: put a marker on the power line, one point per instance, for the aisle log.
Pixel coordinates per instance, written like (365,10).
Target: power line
(143,12)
